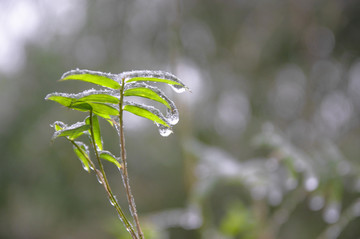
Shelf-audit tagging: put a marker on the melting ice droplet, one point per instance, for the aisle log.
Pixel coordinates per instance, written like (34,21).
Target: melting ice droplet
(178,88)
(164,131)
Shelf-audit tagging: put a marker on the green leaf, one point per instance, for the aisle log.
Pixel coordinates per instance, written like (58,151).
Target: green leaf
(95,77)
(146,93)
(69,101)
(104,110)
(58,125)
(155,76)
(96,130)
(147,112)
(110,157)
(101,109)
(61,99)
(170,82)
(82,151)
(100,98)
(72,131)
(80,105)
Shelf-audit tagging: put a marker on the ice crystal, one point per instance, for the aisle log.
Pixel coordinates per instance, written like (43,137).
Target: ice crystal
(99,73)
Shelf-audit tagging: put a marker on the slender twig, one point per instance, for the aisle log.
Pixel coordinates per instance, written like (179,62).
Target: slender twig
(129,195)
(102,176)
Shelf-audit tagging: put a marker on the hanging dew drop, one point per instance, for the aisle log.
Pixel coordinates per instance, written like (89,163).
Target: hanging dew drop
(173,120)
(121,219)
(113,201)
(172,116)
(85,167)
(164,131)
(178,88)
(99,179)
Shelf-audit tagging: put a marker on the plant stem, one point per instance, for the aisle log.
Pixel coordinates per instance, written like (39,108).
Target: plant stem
(102,176)
(129,195)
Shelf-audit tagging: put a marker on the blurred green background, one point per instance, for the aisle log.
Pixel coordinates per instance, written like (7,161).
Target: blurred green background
(268,141)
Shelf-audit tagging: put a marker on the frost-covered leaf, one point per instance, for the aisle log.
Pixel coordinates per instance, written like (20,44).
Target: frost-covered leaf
(96,130)
(149,92)
(61,99)
(69,100)
(154,93)
(58,125)
(110,157)
(104,110)
(154,76)
(72,131)
(148,112)
(95,77)
(100,98)
(92,96)
(146,93)
(82,151)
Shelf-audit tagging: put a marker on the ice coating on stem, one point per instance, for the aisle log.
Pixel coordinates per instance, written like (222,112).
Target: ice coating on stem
(98,179)
(113,201)
(99,176)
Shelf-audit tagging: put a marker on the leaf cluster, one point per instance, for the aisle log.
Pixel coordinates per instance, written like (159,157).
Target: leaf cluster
(109,103)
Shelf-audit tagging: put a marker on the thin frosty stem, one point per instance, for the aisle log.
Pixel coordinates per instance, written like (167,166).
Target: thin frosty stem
(129,195)
(101,175)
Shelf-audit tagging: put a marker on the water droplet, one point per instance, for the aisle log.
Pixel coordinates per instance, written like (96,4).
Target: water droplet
(311,183)
(164,131)
(172,116)
(99,179)
(178,88)
(121,219)
(113,201)
(332,213)
(316,203)
(84,166)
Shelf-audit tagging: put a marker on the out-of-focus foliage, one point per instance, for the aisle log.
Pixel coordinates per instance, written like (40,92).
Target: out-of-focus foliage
(267,145)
